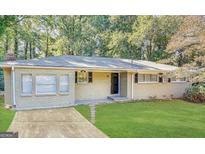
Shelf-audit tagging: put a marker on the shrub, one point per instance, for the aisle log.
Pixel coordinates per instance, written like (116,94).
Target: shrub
(196,93)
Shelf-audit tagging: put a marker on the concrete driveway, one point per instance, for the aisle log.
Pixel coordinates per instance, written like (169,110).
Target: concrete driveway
(56,123)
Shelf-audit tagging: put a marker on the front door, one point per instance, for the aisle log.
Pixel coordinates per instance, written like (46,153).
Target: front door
(114,83)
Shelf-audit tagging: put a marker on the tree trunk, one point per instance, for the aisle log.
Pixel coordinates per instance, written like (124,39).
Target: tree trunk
(25,50)
(16,42)
(46,54)
(149,50)
(30,49)
(180,59)
(80,32)
(73,36)
(33,50)
(6,44)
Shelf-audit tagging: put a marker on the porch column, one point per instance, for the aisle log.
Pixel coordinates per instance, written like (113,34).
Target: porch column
(132,85)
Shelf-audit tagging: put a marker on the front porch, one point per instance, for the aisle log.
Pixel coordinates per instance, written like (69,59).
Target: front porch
(103,87)
(109,99)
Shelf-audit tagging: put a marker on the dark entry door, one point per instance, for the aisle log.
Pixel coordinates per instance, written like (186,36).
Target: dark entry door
(114,83)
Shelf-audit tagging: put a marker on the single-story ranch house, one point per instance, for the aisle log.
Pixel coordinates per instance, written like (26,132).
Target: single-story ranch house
(69,80)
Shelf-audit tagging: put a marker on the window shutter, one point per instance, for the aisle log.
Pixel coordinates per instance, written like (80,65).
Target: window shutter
(76,77)
(136,78)
(160,77)
(90,77)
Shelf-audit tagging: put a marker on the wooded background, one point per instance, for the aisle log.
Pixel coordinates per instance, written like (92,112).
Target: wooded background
(176,40)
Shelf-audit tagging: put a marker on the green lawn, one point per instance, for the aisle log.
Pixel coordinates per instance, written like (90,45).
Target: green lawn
(175,118)
(6,116)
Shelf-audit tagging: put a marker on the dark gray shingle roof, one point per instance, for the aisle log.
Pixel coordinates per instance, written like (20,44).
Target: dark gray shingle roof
(90,62)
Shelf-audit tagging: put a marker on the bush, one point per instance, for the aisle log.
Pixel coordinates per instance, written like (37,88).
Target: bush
(196,93)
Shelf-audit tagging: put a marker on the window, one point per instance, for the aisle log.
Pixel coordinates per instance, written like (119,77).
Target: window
(153,78)
(90,77)
(141,78)
(27,84)
(178,79)
(82,77)
(46,84)
(64,84)
(173,78)
(182,79)
(147,78)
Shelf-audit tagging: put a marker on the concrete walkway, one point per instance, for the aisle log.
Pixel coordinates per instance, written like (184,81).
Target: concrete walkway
(56,123)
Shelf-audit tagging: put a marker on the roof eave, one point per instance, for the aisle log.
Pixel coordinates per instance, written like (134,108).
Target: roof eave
(86,68)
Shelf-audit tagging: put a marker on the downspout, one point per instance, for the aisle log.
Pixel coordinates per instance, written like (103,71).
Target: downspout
(13,86)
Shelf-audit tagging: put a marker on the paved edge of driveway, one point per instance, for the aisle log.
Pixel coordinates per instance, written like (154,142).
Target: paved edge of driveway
(91,123)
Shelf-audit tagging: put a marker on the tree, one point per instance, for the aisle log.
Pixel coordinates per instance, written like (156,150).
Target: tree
(186,47)
(152,33)
(138,37)
(6,21)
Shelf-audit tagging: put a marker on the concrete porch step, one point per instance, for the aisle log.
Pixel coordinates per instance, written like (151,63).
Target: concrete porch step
(94,101)
(117,98)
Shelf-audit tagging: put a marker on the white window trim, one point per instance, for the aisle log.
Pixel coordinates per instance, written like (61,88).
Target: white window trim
(46,94)
(63,93)
(86,82)
(23,94)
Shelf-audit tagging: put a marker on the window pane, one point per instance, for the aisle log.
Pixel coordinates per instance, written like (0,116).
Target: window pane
(45,79)
(46,84)
(27,84)
(64,80)
(46,89)
(141,77)
(173,78)
(63,87)
(181,79)
(153,78)
(147,78)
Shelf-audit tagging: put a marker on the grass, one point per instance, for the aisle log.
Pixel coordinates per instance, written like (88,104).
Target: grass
(173,118)
(6,116)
